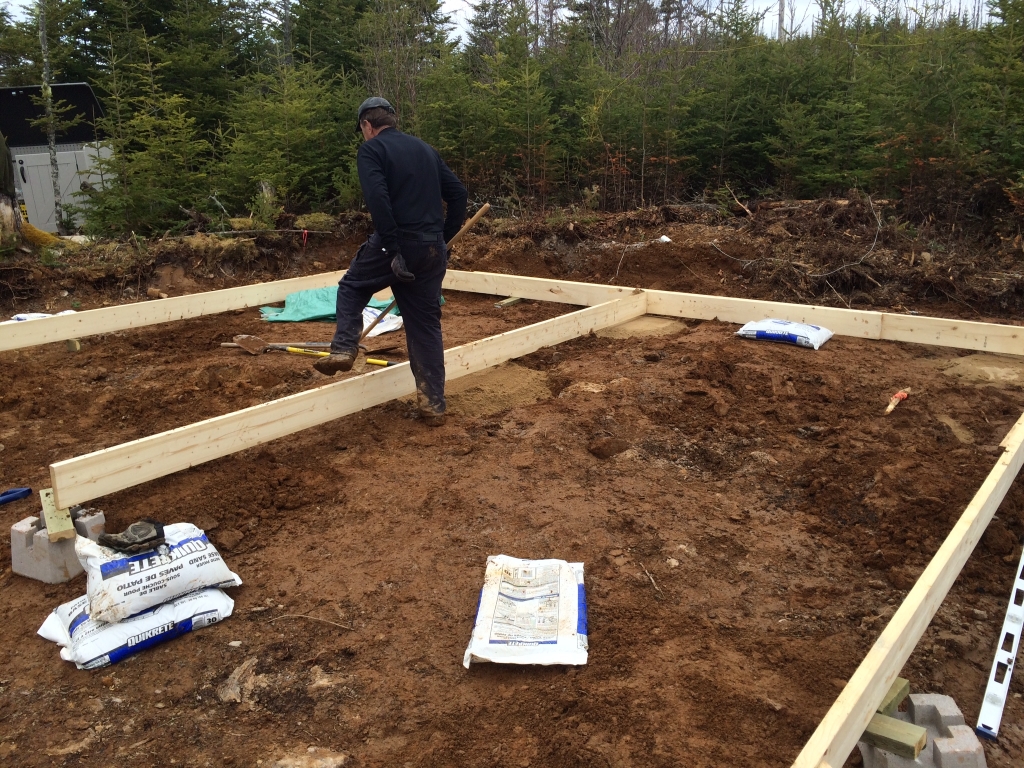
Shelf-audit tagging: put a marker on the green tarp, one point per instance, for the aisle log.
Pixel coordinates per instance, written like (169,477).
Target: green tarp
(314,304)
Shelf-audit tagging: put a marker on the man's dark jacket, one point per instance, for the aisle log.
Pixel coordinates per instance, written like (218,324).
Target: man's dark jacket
(404,181)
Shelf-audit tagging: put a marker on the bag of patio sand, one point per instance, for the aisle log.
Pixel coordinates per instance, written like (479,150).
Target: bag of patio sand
(92,644)
(122,585)
(530,612)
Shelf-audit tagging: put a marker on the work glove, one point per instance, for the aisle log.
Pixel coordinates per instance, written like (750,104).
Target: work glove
(398,266)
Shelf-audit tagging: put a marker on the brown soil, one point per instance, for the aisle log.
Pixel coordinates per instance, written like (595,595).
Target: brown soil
(756,524)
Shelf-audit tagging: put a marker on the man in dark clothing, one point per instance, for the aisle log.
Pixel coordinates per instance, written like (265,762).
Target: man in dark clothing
(404,182)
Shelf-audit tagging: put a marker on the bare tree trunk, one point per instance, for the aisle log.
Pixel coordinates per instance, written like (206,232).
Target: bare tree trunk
(782,21)
(286,30)
(51,130)
(10,217)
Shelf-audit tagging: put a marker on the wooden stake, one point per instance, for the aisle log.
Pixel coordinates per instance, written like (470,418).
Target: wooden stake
(896,736)
(58,522)
(896,399)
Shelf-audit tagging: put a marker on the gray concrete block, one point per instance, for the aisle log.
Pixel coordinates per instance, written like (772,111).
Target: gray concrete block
(961,750)
(35,556)
(88,522)
(933,709)
(951,743)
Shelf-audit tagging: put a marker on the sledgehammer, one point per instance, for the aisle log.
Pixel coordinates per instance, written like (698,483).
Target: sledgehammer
(458,235)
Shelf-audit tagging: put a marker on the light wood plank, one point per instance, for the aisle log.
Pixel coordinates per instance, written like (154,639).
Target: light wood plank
(843,322)
(534,288)
(863,324)
(112,469)
(990,337)
(57,520)
(838,732)
(110,319)
(963,334)
(903,739)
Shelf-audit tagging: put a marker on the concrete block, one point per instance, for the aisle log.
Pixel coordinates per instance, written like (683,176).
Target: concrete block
(961,750)
(35,556)
(951,743)
(933,709)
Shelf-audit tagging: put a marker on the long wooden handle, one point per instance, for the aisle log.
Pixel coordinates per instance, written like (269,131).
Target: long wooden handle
(469,224)
(465,228)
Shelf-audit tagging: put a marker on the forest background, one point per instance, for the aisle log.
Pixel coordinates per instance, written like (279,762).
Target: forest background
(594,104)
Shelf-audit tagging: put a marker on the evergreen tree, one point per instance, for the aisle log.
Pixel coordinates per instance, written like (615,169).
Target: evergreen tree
(157,161)
(326,31)
(290,128)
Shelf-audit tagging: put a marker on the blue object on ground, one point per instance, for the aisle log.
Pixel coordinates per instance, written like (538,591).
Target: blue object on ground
(14,494)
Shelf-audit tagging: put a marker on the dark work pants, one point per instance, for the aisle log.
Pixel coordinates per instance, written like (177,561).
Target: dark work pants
(369,272)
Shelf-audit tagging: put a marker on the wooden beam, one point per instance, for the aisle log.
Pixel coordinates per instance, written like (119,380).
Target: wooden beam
(988,337)
(843,322)
(113,469)
(963,334)
(843,724)
(898,692)
(57,520)
(109,319)
(535,288)
(507,302)
(896,736)
(863,324)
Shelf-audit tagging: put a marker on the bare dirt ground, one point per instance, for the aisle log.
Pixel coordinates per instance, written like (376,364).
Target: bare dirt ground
(744,547)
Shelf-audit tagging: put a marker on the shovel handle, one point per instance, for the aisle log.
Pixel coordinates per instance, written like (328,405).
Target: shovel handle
(310,352)
(469,224)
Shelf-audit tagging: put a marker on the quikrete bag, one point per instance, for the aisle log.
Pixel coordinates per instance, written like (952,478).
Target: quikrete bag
(121,585)
(92,644)
(800,334)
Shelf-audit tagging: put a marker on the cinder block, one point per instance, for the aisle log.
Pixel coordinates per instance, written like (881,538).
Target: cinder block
(951,743)
(961,750)
(35,556)
(88,522)
(933,709)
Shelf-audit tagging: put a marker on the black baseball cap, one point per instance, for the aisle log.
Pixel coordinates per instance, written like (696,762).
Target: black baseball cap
(371,103)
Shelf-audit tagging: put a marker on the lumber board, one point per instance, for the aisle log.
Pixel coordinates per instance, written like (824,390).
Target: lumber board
(898,692)
(838,732)
(863,324)
(964,334)
(57,520)
(843,322)
(533,288)
(113,469)
(141,313)
(896,736)
(988,337)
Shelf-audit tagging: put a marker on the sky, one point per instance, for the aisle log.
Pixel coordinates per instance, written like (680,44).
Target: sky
(461,10)
(803,12)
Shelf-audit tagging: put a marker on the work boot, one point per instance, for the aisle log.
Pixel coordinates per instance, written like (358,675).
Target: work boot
(434,419)
(336,361)
(142,536)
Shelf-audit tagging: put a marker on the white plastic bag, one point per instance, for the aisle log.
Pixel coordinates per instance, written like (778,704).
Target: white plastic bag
(390,323)
(91,643)
(122,585)
(531,612)
(801,334)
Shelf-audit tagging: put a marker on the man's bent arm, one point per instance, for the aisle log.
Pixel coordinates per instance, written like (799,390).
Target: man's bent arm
(375,192)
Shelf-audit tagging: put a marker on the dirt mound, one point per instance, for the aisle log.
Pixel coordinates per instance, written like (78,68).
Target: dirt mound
(496,390)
